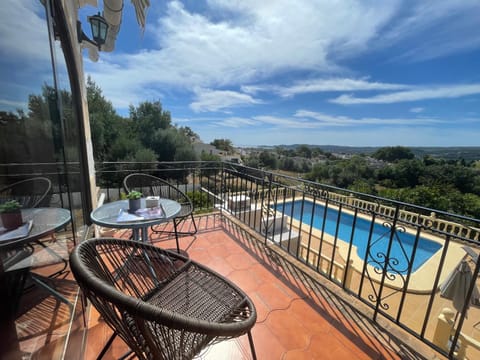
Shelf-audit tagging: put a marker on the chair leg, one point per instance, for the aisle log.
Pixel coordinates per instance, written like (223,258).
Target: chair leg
(176,235)
(107,345)
(53,253)
(51,290)
(127,355)
(194,224)
(178,232)
(252,346)
(84,301)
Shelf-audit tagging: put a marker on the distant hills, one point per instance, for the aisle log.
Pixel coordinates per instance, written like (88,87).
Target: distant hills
(449,153)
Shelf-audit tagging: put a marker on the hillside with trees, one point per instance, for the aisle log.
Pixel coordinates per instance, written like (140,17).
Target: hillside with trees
(146,135)
(468,153)
(390,172)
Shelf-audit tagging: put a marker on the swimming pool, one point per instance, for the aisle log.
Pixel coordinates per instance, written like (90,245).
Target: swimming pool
(380,237)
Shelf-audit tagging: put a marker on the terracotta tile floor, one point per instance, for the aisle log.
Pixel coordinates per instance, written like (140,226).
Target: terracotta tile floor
(42,322)
(298,317)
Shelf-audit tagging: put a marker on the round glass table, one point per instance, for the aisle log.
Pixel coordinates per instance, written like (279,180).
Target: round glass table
(45,221)
(107,215)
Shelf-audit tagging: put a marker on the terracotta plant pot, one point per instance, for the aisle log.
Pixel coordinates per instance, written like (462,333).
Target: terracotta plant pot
(134,205)
(12,220)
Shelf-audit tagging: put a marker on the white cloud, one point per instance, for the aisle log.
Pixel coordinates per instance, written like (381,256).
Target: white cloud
(284,122)
(252,41)
(25,61)
(305,119)
(229,44)
(446,26)
(323,85)
(261,38)
(255,89)
(312,127)
(215,100)
(23,32)
(202,120)
(337,84)
(237,122)
(332,120)
(5,103)
(417,110)
(440,92)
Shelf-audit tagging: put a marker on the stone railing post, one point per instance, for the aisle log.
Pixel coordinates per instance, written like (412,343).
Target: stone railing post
(349,269)
(444,328)
(350,199)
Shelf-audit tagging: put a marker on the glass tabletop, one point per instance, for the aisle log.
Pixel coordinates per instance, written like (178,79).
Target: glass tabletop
(107,214)
(44,221)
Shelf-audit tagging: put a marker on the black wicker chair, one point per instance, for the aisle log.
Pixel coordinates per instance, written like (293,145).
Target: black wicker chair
(163,305)
(30,193)
(150,185)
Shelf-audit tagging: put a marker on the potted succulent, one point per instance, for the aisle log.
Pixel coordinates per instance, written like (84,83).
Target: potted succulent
(11,215)
(134,200)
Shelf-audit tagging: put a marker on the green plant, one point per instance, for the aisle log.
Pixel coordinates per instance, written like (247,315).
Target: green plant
(200,200)
(133,195)
(10,206)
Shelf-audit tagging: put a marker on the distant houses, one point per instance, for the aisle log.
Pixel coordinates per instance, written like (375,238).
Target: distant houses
(202,148)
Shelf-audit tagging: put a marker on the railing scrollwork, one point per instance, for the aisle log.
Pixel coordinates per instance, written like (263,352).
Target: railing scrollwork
(387,264)
(317,192)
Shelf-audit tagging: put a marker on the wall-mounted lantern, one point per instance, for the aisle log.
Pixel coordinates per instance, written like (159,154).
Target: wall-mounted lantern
(99,31)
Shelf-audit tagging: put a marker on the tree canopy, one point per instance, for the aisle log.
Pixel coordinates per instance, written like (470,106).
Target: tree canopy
(147,135)
(393,153)
(223,144)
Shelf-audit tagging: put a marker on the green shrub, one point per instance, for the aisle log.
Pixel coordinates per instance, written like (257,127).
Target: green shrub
(200,199)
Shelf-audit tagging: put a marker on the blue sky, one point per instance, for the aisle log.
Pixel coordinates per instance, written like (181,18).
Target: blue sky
(360,73)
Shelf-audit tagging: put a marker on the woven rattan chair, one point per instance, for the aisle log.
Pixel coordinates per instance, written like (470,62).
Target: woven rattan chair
(163,305)
(30,193)
(150,185)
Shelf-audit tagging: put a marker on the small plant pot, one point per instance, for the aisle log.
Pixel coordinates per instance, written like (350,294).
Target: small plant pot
(134,205)
(12,220)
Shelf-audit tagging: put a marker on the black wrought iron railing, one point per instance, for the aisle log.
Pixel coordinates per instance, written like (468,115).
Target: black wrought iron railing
(392,256)
(396,258)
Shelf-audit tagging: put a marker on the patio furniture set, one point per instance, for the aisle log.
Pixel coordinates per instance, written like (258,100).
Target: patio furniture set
(162,304)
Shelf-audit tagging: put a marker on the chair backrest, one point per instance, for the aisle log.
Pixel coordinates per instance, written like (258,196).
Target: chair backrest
(150,185)
(30,193)
(163,305)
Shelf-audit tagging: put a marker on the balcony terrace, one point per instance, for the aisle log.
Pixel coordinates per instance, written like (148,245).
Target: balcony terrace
(315,298)
(299,314)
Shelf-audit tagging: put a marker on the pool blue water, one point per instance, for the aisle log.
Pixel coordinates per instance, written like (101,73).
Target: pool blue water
(402,245)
